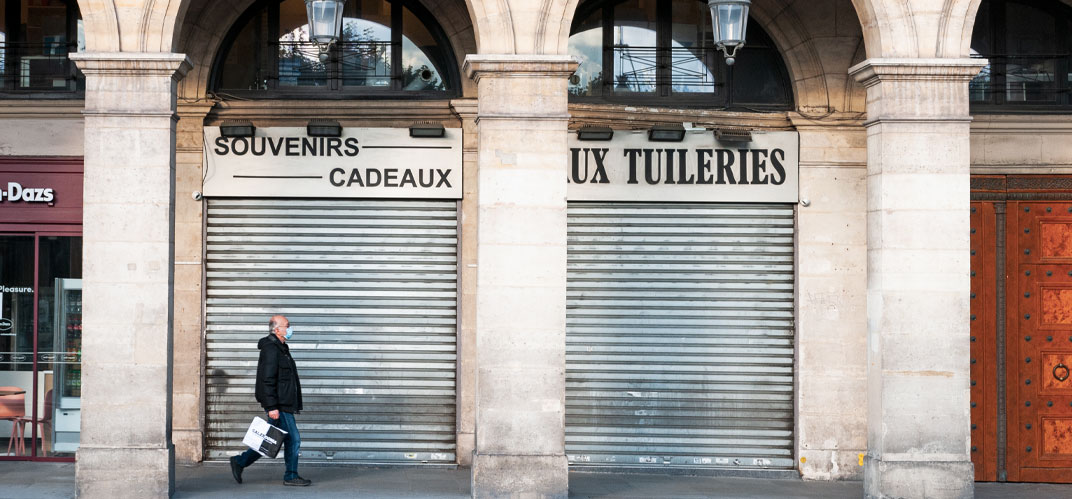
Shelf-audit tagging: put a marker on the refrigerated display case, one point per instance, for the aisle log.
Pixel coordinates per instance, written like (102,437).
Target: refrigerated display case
(67,382)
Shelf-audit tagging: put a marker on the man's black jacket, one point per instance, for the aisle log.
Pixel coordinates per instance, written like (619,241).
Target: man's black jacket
(277,377)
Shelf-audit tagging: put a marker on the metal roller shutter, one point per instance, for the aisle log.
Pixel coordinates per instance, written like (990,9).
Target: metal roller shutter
(371,290)
(679,339)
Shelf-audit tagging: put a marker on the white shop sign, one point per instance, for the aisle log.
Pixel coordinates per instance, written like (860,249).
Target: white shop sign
(697,169)
(363,163)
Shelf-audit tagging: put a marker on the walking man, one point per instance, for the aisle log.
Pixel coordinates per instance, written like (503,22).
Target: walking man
(279,392)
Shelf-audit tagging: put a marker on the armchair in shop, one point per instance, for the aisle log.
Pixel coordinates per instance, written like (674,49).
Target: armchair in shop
(13,408)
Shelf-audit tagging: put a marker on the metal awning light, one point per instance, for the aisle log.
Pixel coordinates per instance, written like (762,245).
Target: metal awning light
(730,21)
(325,23)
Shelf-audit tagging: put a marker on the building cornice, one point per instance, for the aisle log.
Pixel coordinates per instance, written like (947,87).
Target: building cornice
(478,66)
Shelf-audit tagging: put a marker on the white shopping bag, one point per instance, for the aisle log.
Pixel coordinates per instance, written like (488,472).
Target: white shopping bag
(264,438)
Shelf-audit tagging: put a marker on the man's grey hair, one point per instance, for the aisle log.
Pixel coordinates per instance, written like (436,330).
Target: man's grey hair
(272,324)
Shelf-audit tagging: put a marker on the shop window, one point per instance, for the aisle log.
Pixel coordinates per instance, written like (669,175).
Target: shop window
(40,344)
(661,52)
(387,48)
(1028,45)
(35,38)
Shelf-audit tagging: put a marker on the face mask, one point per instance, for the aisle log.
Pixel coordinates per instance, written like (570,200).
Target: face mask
(290,332)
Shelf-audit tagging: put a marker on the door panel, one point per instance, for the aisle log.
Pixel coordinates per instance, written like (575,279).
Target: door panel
(984,283)
(1040,342)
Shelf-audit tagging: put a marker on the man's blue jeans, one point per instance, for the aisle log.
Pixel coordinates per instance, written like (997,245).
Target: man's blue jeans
(291,446)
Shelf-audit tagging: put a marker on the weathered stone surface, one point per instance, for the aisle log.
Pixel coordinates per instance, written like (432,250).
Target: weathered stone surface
(521,283)
(917,278)
(519,477)
(128,274)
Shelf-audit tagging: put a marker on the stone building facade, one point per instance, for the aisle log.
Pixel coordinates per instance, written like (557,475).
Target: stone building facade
(881,370)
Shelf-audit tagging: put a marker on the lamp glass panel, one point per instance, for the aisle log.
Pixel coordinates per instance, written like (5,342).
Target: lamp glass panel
(322,16)
(730,23)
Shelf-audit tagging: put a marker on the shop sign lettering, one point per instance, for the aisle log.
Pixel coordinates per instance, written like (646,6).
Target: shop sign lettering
(294,147)
(15,193)
(6,289)
(363,163)
(697,169)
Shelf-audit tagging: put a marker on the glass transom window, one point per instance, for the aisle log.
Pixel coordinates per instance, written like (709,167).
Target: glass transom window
(386,47)
(1028,45)
(662,52)
(35,38)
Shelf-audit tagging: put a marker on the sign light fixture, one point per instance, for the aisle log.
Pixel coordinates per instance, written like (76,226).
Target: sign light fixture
(592,132)
(672,132)
(237,128)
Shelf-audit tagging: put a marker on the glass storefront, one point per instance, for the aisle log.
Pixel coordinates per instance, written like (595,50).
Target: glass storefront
(40,345)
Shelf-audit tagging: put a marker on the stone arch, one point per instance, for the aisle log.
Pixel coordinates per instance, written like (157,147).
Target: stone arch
(794,35)
(917,28)
(208,22)
(145,26)
(101,25)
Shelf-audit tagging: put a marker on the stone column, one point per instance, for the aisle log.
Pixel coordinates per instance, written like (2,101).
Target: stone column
(521,283)
(832,297)
(918,156)
(466,109)
(128,270)
(188,364)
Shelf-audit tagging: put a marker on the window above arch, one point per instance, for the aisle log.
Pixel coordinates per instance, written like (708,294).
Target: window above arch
(35,38)
(661,52)
(1028,44)
(388,48)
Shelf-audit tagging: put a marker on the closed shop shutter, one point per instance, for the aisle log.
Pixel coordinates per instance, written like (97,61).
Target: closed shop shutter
(679,340)
(370,288)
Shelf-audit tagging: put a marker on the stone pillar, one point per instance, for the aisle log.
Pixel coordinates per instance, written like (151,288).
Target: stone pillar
(466,109)
(128,269)
(521,283)
(832,297)
(188,364)
(918,156)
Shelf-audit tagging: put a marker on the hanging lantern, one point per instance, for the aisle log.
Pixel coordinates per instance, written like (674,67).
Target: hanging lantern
(325,23)
(730,21)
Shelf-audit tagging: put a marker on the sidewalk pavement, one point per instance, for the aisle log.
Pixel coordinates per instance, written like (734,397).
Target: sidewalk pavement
(23,480)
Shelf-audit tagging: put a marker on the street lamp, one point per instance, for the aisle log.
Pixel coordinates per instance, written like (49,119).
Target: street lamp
(730,21)
(325,23)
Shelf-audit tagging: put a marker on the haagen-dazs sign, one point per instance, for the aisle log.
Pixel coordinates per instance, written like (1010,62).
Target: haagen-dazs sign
(16,192)
(362,163)
(697,169)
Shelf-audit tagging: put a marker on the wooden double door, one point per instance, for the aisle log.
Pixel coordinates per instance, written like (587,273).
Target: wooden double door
(1021,329)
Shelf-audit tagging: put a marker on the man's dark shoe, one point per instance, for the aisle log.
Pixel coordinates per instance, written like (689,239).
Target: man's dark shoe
(297,482)
(236,470)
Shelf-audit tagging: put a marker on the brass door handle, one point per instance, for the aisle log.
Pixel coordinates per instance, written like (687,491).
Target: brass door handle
(1063,376)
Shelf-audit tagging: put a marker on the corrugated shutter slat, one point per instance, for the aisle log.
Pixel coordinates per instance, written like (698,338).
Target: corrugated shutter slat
(371,289)
(679,340)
